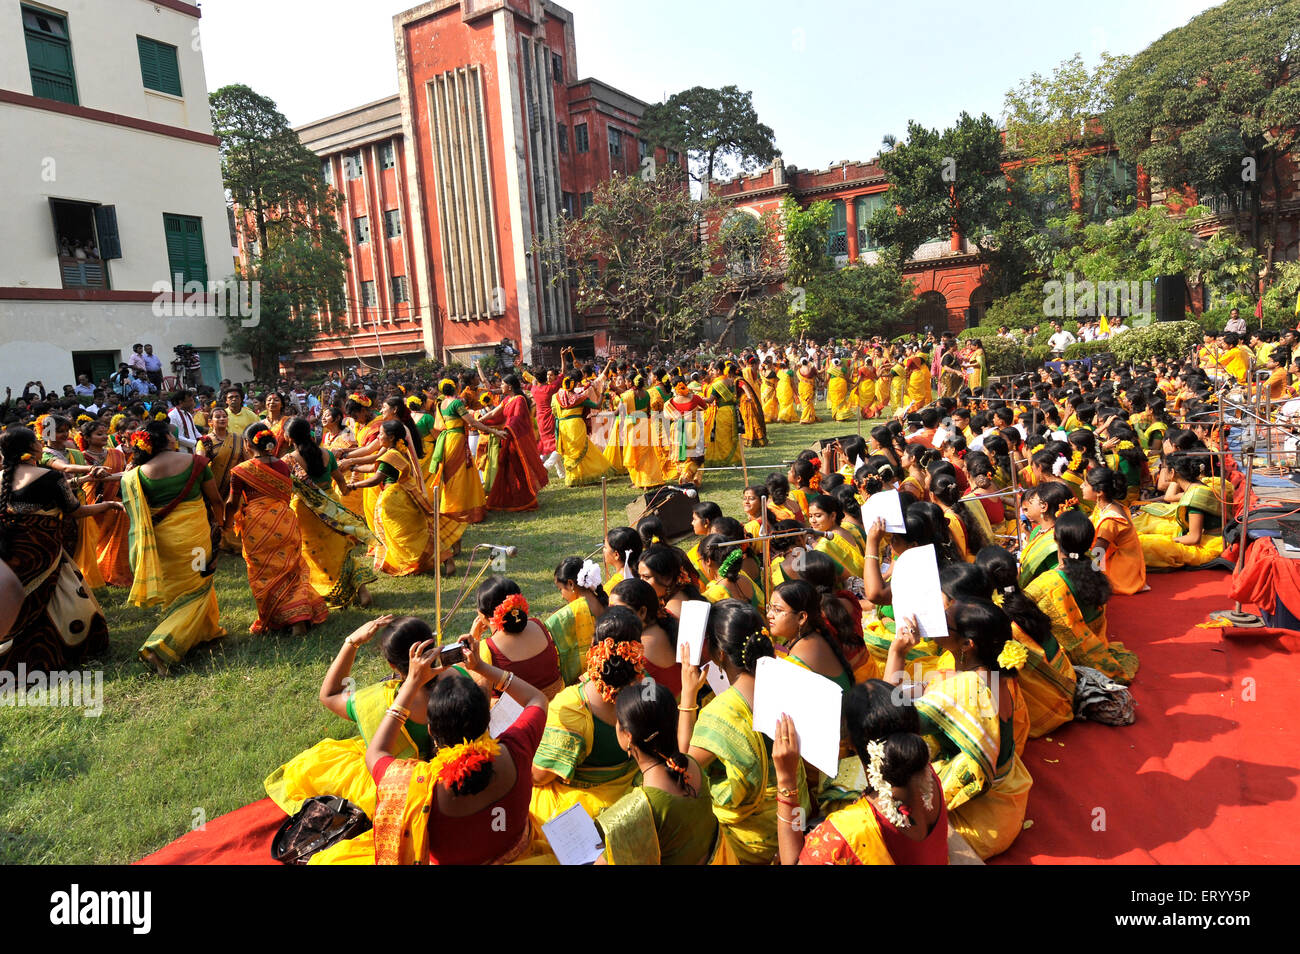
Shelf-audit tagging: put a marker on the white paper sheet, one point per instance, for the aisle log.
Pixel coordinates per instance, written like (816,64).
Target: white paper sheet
(813,702)
(574,837)
(690,629)
(717,679)
(504,713)
(915,585)
(940,435)
(884,504)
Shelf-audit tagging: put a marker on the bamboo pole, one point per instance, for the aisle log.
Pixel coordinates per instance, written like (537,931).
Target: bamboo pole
(437,580)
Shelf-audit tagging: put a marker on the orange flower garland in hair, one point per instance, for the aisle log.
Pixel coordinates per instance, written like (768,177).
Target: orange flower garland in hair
(601,652)
(361,399)
(140,440)
(456,763)
(514,603)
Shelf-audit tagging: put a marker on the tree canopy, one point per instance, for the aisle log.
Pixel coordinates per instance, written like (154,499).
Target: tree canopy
(718,130)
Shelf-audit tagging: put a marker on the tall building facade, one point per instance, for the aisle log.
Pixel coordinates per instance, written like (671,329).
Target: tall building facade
(112,187)
(447,186)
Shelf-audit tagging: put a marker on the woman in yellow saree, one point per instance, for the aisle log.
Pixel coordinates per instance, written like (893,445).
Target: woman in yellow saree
(365,426)
(338,766)
(260,491)
(768,392)
(723,741)
(919,392)
(68,460)
(461,498)
(338,438)
(841,399)
(1043,506)
(580,760)
(808,378)
(1194,534)
(974,721)
(1047,680)
(334,540)
(406,541)
(1074,597)
(583,461)
(898,818)
(866,388)
(976,366)
(723,446)
(668,819)
(659,393)
(826,515)
(787,411)
(112,550)
(640,450)
(574,624)
(172,501)
(753,421)
(224,449)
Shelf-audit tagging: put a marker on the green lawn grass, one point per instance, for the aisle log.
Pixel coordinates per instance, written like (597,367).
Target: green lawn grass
(167,754)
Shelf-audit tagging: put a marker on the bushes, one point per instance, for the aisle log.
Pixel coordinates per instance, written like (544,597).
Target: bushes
(1275,318)
(1167,339)
(1086,349)
(1021,309)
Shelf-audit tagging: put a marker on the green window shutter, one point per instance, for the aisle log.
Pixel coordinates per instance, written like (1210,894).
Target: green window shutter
(185,255)
(49,56)
(159,67)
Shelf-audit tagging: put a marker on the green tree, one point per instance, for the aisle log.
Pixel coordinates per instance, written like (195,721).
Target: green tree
(946,180)
(806,255)
(716,128)
(656,263)
(859,300)
(1212,104)
(301,261)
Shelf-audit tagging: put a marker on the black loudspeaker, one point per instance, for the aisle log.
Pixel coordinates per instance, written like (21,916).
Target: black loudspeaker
(1171,297)
(673,508)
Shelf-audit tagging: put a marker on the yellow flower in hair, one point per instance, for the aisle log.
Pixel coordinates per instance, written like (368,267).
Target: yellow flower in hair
(453,763)
(160,416)
(1076,459)
(1124,445)
(1013,655)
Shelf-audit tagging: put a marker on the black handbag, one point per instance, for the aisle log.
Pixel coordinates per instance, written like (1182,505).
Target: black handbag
(322,821)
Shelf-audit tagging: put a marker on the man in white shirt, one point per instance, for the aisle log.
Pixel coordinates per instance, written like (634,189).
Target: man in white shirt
(1060,340)
(136,359)
(84,388)
(182,418)
(1236,324)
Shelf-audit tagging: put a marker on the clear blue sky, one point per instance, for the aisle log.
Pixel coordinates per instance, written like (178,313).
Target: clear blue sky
(830,77)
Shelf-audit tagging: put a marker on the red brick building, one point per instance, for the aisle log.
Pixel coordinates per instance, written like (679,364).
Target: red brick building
(445,186)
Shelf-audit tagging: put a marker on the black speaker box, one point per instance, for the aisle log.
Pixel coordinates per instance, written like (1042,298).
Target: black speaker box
(1171,297)
(671,506)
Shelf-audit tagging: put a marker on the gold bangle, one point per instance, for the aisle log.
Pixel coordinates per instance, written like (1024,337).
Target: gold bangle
(402,711)
(787,792)
(872,556)
(688,708)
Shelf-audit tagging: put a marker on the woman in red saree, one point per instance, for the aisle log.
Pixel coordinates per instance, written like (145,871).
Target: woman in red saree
(260,491)
(514,465)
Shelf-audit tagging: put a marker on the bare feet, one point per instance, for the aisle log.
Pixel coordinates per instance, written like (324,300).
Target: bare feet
(298,629)
(150,657)
(364,599)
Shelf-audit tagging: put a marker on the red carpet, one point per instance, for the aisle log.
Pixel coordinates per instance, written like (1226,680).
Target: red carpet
(1209,772)
(1207,775)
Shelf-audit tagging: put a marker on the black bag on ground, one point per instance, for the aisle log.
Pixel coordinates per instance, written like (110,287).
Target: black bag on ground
(322,821)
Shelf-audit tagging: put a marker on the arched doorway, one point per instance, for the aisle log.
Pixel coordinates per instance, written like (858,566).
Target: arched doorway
(980,299)
(931,314)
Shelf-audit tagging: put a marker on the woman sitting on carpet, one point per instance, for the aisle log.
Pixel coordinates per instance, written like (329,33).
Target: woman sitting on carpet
(1193,534)
(900,820)
(1122,560)
(1043,505)
(512,640)
(794,618)
(669,571)
(720,565)
(724,742)
(469,804)
(623,548)
(972,721)
(668,819)
(580,760)
(1074,596)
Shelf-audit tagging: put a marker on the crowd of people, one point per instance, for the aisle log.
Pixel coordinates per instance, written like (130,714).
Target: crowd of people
(1041,498)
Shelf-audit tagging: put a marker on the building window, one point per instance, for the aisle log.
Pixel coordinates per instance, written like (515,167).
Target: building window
(615,141)
(159,68)
(570,204)
(393,223)
(352,165)
(642,149)
(837,233)
(368,299)
(580,143)
(185,255)
(85,237)
(387,158)
(401,293)
(587,202)
(327,171)
(867,206)
(361,229)
(562,134)
(49,56)
(557,67)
